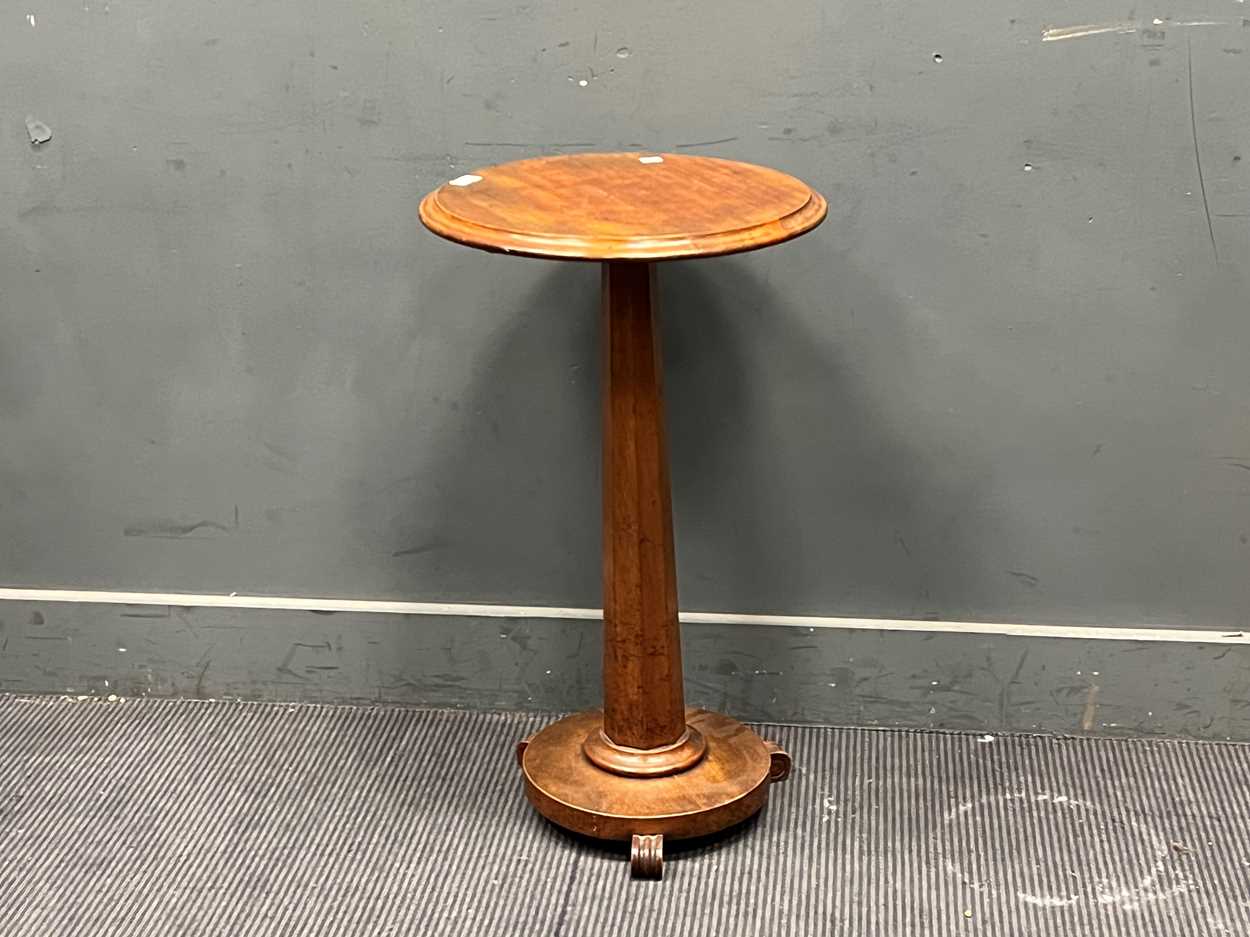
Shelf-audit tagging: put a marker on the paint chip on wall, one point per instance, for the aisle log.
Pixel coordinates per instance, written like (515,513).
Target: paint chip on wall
(38,131)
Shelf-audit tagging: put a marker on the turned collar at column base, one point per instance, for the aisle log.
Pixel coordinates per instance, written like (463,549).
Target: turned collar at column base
(682,755)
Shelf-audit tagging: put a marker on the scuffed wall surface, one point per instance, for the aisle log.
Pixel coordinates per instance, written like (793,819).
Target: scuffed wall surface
(969,682)
(1005,380)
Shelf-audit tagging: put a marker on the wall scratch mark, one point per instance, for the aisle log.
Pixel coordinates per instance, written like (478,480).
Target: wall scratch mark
(1004,693)
(1091,709)
(1193,126)
(418,549)
(199,680)
(686,146)
(525,145)
(1027,578)
(1057,33)
(285,666)
(171,529)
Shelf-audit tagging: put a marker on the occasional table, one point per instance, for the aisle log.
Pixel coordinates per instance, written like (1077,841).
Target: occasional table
(644,767)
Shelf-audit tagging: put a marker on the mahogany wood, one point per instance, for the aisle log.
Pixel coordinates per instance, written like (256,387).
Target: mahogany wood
(729,784)
(645,762)
(644,767)
(646,855)
(622,206)
(642,680)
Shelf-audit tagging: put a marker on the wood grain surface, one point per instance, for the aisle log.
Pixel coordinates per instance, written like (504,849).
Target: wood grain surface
(642,677)
(724,788)
(622,206)
(644,765)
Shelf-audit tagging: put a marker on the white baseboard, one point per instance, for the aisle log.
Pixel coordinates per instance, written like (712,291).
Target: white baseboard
(482,610)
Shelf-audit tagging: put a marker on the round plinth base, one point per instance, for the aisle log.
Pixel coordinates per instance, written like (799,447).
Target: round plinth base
(727,785)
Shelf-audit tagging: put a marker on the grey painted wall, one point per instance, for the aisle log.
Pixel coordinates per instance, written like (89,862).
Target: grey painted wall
(1006,379)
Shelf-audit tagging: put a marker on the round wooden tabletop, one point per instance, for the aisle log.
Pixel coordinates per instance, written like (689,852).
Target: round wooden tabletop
(622,206)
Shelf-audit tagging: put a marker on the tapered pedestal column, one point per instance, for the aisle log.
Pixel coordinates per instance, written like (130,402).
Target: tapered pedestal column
(644,766)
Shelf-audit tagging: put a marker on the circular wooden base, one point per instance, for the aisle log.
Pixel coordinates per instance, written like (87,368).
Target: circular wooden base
(727,785)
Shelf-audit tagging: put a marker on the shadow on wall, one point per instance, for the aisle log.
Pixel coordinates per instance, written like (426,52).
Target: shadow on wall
(509,510)
(792,493)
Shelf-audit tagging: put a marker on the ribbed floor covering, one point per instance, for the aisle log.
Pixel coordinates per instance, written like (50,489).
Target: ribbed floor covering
(150,817)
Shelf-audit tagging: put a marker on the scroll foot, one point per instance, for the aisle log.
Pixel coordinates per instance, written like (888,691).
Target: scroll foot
(646,856)
(779,767)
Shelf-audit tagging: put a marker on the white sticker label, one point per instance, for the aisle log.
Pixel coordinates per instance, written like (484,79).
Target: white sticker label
(650,159)
(467,179)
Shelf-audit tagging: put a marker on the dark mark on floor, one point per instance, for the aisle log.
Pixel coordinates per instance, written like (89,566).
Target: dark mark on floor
(566,900)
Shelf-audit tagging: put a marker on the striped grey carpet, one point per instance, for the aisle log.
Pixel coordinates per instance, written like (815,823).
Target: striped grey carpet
(199,818)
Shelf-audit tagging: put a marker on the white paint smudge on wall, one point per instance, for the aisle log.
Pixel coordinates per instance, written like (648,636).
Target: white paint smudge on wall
(1057,33)
(38,131)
